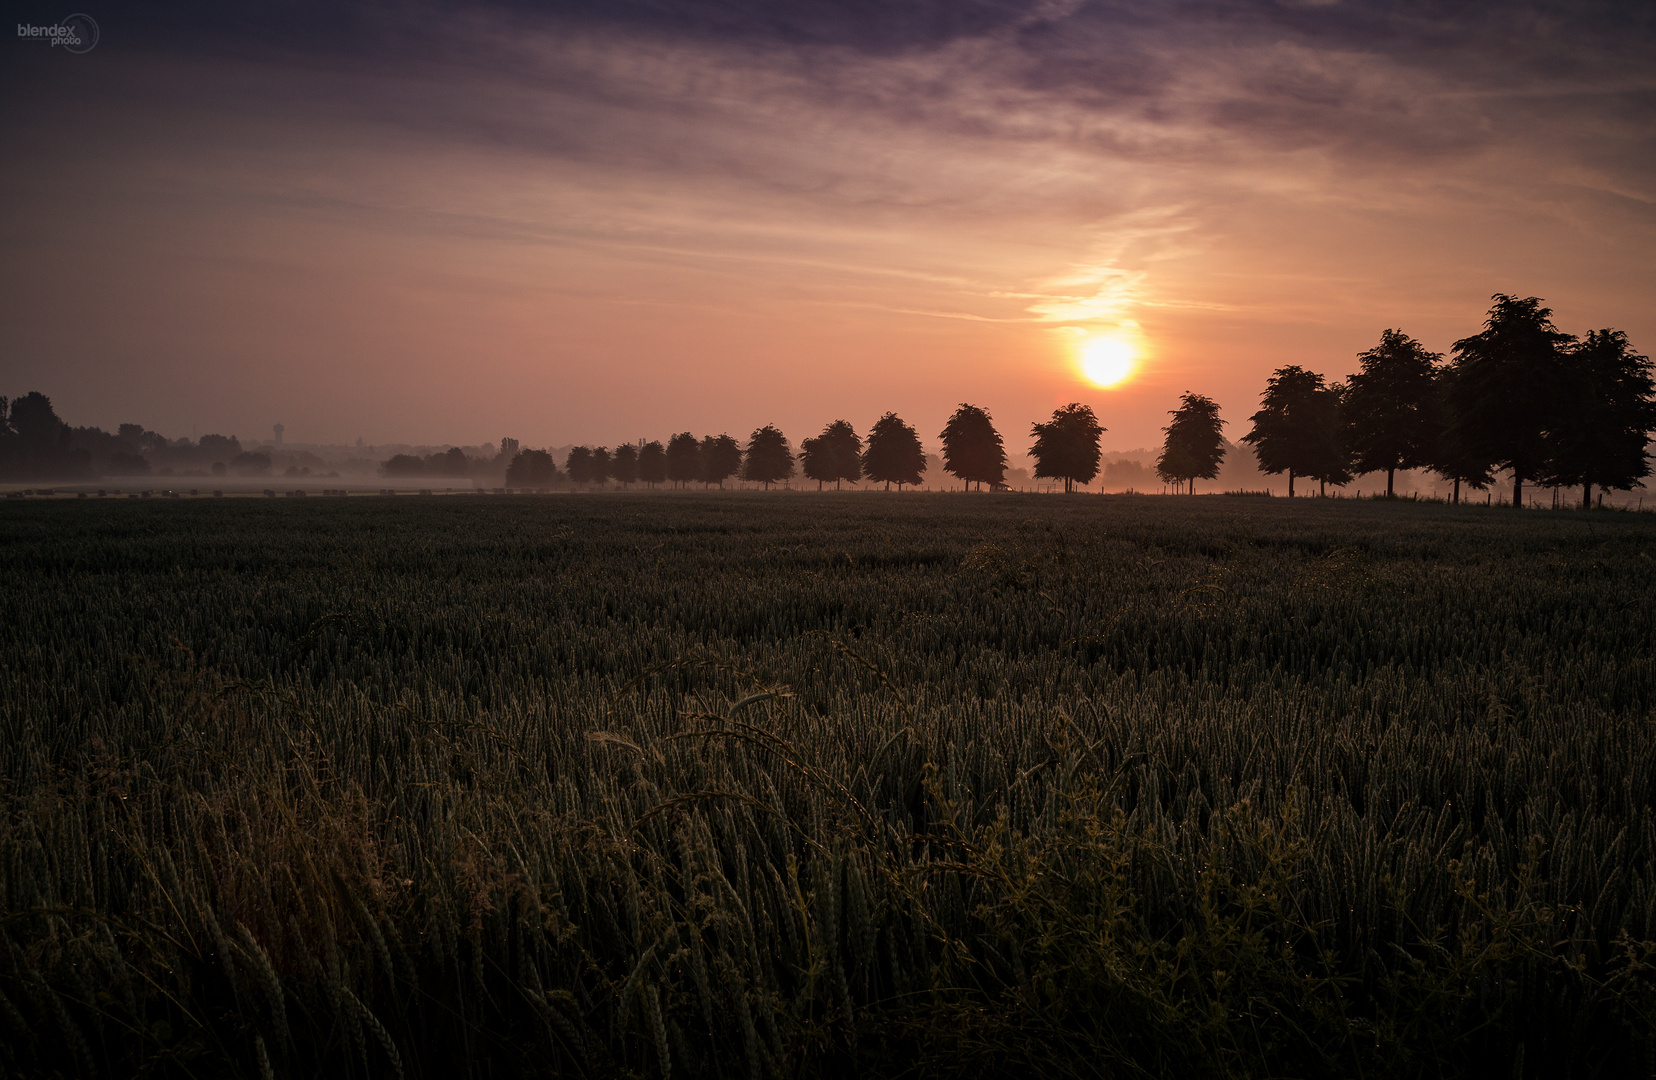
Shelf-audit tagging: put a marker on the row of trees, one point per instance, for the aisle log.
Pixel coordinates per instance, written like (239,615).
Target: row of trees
(1065,448)
(1521,397)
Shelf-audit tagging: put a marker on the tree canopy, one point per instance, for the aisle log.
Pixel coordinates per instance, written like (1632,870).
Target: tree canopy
(579,465)
(768,460)
(1066,447)
(816,462)
(652,463)
(1603,414)
(531,469)
(894,454)
(1194,447)
(721,458)
(972,448)
(1506,381)
(1297,429)
(1391,407)
(683,458)
(833,456)
(624,464)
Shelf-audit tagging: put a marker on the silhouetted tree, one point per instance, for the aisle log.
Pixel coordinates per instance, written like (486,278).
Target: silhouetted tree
(219,447)
(1603,417)
(721,458)
(455,463)
(1297,428)
(972,448)
(894,454)
(683,458)
(398,465)
(1066,447)
(37,443)
(1333,463)
(1194,446)
(1390,406)
(845,448)
(816,460)
(768,460)
(531,469)
(652,463)
(833,456)
(1451,458)
(624,464)
(578,464)
(600,464)
(1506,383)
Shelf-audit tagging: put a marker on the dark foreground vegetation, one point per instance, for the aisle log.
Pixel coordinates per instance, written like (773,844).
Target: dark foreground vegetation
(729,786)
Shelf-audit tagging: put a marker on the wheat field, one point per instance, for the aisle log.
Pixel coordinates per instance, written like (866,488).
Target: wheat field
(754,785)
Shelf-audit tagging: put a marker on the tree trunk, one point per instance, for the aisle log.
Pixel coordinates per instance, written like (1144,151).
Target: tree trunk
(1390,473)
(1456,500)
(1322,489)
(1290,483)
(1587,495)
(1517,490)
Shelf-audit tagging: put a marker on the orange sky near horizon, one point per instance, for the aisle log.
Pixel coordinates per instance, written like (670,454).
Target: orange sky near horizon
(599,234)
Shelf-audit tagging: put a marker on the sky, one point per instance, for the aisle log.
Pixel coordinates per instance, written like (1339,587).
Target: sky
(594,222)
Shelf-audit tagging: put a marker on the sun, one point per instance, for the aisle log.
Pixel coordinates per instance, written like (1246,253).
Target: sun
(1107,361)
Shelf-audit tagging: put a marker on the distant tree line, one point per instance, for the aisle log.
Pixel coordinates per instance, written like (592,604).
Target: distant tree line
(35,444)
(1065,448)
(1521,396)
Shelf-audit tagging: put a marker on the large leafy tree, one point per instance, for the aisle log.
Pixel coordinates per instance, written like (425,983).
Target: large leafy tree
(816,461)
(721,458)
(894,454)
(34,442)
(1451,458)
(972,448)
(683,458)
(1297,428)
(1194,446)
(1603,417)
(1505,387)
(768,460)
(454,463)
(624,464)
(578,464)
(531,469)
(600,464)
(833,456)
(1333,465)
(1390,407)
(845,449)
(652,463)
(1066,447)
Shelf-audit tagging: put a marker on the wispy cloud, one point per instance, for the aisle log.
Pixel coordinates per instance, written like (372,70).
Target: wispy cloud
(1214,171)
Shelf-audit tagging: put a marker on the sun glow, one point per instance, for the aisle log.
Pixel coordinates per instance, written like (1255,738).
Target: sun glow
(1108,361)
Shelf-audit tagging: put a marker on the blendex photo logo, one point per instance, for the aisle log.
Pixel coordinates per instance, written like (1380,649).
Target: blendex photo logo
(75,33)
